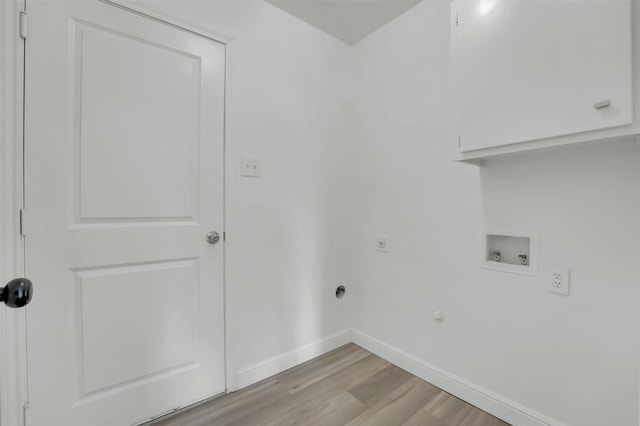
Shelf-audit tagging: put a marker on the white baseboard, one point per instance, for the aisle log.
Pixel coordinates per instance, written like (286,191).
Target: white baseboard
(484,399)
(290,359)
(499,406)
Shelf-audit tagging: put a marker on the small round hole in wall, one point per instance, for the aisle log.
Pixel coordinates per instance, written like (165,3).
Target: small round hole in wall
(340,291)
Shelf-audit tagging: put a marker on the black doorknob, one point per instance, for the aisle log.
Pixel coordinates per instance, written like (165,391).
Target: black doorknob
(17,293)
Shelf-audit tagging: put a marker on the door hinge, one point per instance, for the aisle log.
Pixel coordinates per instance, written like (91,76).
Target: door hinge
(459,141)
(23,224)
(224,236)
(457,22)
(26,410)
(24,25)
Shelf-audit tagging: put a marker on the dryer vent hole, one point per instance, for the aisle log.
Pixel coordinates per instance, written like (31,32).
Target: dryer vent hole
(340,291)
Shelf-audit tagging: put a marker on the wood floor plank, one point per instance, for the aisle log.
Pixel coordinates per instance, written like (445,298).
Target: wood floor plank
(333,356)
(450,409)
(435,401)
(228,407)
(336,383)
(477,417)
(311,372)
(399,405)
(424,418)
(337,410)
(348,386)
(231,411)
(380,385)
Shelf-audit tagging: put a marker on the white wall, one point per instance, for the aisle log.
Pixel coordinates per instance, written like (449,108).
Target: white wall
(354,142)
(289,86)
(571,359)
(585,205)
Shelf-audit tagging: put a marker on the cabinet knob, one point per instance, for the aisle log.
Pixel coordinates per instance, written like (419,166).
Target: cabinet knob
(602,104)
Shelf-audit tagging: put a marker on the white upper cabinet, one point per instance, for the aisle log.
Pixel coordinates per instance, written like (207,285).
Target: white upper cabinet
(527,70)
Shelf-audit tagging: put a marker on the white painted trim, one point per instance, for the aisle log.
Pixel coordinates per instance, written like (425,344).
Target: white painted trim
(13,378)
(231,351)
(287,360)
(499,406)
(160,14)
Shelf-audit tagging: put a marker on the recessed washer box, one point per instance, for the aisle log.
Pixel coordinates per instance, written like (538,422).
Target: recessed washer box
(510,251)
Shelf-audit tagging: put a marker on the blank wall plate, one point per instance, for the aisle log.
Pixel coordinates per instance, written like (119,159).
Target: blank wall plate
(250,167)
(558,280)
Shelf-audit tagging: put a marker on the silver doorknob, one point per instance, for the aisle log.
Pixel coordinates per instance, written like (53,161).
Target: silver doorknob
(212,237)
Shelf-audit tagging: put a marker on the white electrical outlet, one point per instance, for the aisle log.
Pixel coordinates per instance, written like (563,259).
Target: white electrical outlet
(558,280)
(250,167)
(382,245)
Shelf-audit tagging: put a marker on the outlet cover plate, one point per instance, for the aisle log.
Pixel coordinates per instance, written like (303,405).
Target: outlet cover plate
(558,280)
(382,243)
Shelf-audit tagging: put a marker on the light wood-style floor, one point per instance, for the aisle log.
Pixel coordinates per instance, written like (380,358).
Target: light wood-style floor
(348,386)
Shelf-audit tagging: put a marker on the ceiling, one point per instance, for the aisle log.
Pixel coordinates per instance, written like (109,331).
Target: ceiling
(347,20)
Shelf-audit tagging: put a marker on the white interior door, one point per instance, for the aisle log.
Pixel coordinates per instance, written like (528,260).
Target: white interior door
(123,180)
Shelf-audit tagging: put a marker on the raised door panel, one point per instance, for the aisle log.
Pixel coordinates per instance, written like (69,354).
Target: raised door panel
(528,70)
(128,119)
(135,322)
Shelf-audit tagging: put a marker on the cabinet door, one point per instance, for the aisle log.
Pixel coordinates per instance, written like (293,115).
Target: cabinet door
(527,69)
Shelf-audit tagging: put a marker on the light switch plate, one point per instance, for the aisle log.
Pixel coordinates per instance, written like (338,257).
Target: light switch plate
(558,280)
(250,167)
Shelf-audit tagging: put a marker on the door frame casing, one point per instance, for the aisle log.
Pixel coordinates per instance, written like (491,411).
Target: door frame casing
(13,332)
(13,355)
